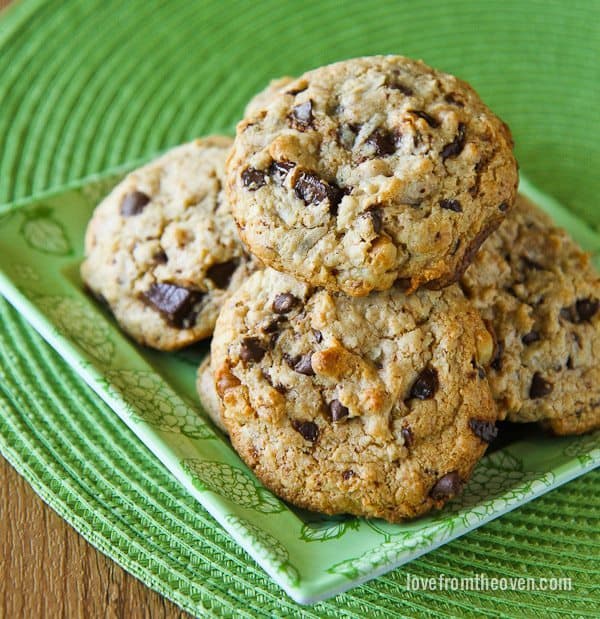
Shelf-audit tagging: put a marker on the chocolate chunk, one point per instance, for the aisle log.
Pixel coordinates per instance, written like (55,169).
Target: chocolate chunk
(432,122)
(426,385)
(407,435)
(253,179)
(348,474)
(304,366)
(582,310)
(383,142)
(313,190)
(481,372)
(446,487)
(308,429)
(160,257)
(403,88)
(485,430)
(570,364)
(318,336)
(503,207)
(540,387)
(451,205)
(273,325)
(376,215)
(338,410)
(530,338)
(455,147)
(220,274)
(134,203)
(403,283)
(302,117)
(252,349)
(284,302)
(176,304)
(279,170)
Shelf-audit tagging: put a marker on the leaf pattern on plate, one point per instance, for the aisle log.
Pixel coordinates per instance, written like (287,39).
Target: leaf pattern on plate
(586,449)
(232,483)
(327,528)
(372,560)
(44,233)
(77,321)
(149,399)
(25,272)
(268,548)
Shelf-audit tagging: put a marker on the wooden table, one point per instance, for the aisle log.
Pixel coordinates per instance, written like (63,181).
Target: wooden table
(48,570)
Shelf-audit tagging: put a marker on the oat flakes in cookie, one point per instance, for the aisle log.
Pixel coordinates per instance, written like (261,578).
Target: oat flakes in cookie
(376,406)
(371,171)
(541,295)
(162,249)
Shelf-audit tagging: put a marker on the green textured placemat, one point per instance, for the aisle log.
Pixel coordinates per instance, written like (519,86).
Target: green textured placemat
(87,85)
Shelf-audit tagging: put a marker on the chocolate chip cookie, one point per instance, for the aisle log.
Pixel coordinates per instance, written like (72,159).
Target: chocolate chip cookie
(541,295)
(376,406)
(371,171)
(162,250)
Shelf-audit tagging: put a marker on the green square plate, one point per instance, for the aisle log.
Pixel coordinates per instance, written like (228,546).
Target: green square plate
(310,557)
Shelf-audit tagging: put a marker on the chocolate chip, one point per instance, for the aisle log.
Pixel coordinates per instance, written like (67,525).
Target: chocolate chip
(160,257)
(312,190)
(252,349)
(376,215)
(318,336)
(338,410)
(407,435)
(253,179)
(432,122)
(302,117)
(403,283)
(284,302)
(485,430)
(451,205)
(426,385)
(540,387)
(403,88)
(586,309)
(348,474)
(304,366)
(530,338)
(279,170)
(582,310)
(447,486)
(480,372)
(308,429)
(455,147)
(503,207)
(176,304)
(220,274)
(134,203)
(383,142)
(570,364)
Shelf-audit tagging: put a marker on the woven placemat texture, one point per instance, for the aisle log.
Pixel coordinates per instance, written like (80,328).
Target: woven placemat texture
(88,85)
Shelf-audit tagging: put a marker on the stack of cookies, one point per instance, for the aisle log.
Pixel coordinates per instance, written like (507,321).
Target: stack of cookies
(364,345)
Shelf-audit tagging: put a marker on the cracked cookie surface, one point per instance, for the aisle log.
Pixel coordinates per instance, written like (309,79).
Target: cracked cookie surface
(376,406)
(162,249)
(540,293)
(369,171)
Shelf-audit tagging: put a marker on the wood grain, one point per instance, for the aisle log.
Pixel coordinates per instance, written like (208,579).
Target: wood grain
(48,570)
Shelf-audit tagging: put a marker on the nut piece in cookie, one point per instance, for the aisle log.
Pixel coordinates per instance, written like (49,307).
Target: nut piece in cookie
(369,171)
(541,296)
(162,248)
(376,406)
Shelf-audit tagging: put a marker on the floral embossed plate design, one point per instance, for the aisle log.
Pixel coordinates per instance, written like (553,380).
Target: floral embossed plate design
(310,557)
